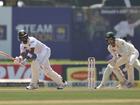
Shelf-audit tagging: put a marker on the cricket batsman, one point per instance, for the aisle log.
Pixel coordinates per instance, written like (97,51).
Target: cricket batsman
(38,53)
(123,53)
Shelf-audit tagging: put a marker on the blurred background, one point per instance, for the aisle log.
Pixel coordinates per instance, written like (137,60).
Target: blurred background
(73,29)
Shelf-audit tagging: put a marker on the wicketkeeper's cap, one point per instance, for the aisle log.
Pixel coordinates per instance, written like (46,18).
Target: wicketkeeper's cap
(110,35)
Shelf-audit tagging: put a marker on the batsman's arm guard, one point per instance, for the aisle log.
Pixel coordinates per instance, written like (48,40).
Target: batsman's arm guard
(24,54)
(31,57)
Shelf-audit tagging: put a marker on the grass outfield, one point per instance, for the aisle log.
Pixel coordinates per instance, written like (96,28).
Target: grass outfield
(69,96)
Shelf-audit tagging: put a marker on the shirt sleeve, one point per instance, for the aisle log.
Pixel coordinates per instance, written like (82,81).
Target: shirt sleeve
(22,49)
(33,43)
(124,46)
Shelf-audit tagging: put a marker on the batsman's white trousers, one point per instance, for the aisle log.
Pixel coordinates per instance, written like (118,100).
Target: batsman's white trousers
(42,62)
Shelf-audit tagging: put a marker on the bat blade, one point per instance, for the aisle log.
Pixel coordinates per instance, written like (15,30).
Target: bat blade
(6,55)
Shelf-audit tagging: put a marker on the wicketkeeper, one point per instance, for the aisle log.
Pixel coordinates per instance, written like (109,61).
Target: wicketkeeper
(123,53)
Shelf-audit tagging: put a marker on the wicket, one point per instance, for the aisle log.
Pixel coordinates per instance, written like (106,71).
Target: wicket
(91,72)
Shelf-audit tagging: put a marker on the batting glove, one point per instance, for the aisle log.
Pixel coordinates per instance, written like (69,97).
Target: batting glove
(18,60)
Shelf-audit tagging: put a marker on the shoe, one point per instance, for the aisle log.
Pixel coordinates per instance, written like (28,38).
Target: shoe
(127,84)
(123,85)
(32,86)
(100,86)
(130,85)
(119,86)
(62,86)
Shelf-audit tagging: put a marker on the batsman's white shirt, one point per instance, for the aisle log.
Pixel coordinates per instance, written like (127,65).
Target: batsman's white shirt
(41,50)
